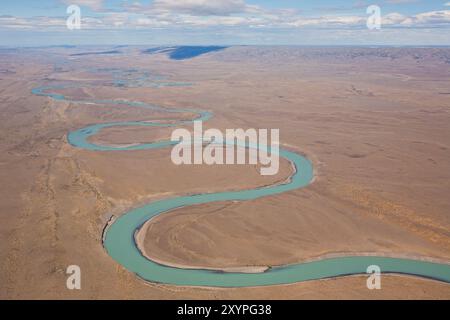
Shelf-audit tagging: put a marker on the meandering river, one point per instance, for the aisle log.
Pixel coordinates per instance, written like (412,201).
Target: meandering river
(120,243)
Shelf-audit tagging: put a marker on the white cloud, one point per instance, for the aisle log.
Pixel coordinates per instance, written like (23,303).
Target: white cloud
(216,13)
(434,17)
(325,21)
(93,4)
(202,7)
(401,1)
(33,23)
(393,19)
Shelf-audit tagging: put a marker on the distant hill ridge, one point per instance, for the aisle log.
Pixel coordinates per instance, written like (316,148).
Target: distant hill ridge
(184,52)
(95,53)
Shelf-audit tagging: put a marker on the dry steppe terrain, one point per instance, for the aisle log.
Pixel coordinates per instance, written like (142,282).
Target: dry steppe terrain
(374,121)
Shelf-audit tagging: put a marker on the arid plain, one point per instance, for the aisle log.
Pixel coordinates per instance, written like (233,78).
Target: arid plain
(374,122)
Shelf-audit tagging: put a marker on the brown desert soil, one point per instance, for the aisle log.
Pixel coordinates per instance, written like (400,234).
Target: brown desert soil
(373,121)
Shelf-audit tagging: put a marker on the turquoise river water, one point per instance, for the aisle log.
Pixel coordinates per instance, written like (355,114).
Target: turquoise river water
(120,243)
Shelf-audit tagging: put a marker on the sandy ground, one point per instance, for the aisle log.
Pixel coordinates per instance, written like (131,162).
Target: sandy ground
(373,121)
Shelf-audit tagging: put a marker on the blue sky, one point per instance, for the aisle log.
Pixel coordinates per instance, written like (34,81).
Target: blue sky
(263,22)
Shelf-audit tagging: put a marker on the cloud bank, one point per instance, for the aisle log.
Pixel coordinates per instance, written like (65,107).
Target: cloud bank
(204,14)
